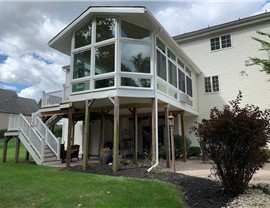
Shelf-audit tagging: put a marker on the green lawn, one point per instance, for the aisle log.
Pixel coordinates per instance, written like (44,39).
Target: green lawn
(28,185)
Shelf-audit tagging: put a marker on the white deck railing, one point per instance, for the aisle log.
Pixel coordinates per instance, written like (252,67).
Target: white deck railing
(30,137)
(36,133)
(52,98)
(55,97)
(49,137)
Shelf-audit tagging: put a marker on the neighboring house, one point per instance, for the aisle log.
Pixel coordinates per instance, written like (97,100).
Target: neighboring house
(11,103)
(222,52)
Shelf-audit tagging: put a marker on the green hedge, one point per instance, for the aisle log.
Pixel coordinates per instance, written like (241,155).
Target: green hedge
(194,151)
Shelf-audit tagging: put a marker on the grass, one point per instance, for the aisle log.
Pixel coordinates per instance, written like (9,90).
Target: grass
(28,185)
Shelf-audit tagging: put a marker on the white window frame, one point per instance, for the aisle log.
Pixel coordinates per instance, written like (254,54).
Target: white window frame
(220,42)
(212,84)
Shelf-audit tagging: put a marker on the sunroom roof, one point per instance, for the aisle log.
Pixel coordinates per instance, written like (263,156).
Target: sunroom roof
(139,15)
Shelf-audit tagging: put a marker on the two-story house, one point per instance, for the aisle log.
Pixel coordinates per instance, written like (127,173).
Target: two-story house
(222,52)
(127,73)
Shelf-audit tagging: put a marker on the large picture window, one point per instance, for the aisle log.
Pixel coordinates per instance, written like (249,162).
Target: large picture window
(135,58)
(104,59)
(181,81)
(189,86)
(105,29)
(172,74)
(161,65)
(81,64)
(161,45)
(83,36)
(129,30)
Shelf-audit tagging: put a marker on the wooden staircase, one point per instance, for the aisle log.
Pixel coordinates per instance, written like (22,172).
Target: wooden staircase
(37,138)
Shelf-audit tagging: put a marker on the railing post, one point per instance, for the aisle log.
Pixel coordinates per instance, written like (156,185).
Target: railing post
(43,100)
(64,93)
(46,135)
(58,148)
(42,150)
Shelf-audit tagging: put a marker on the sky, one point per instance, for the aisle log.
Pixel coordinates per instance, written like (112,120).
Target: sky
(29,66)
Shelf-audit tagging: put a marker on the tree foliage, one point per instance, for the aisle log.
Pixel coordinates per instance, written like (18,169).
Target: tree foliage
(264,63)
(235,138)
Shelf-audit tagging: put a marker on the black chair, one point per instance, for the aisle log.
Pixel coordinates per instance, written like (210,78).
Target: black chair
(75,149)
(63,153)
(74,153)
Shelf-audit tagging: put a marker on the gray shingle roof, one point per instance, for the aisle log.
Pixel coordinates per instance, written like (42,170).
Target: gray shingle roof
(232,24)
(10,102)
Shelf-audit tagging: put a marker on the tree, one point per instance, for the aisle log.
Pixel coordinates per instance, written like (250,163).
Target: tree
(264,63)
(235,138)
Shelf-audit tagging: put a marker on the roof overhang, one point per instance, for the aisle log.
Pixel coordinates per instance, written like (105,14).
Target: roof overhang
(138,15)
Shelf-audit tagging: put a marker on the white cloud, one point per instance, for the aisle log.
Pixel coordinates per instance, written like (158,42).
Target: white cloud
(24,40)
(26,28)
(8,87)
(186,17)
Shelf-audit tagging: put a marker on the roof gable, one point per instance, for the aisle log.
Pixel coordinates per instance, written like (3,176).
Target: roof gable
(140,15)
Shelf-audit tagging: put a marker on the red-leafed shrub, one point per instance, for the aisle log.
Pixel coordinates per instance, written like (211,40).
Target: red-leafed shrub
(235,138)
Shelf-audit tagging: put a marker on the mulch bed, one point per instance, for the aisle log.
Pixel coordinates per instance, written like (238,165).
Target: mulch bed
(198,192)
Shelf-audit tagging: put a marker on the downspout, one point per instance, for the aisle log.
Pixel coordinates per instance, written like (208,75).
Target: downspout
(156,102)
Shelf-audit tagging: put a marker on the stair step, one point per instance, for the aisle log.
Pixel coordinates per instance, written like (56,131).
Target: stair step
(49,159)
(49,154)
(47,151)
(50,163)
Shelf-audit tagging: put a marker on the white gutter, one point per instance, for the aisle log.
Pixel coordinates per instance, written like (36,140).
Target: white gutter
(156,102)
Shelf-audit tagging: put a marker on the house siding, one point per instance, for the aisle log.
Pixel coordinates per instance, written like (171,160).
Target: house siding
(4,120)
(228,64)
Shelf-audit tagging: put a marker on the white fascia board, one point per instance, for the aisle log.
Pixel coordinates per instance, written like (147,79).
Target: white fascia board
(117,10)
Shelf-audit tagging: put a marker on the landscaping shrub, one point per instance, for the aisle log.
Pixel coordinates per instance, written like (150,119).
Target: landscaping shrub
(267,152)
(235,137)
(162,151)
(178,145)
(194,151)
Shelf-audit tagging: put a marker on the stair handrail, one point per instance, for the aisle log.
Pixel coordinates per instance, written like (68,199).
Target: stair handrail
(17,122)
(50,139)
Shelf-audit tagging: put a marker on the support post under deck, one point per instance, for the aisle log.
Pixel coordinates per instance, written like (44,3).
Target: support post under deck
(167,138)
(86,135)
(116,135)
(6,139)
(153,127)
(17,152)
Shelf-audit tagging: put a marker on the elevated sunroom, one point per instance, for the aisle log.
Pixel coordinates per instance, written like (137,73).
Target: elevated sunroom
(123,64)
(125,52)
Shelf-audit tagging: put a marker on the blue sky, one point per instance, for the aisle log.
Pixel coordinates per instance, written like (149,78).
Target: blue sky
(29,66)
